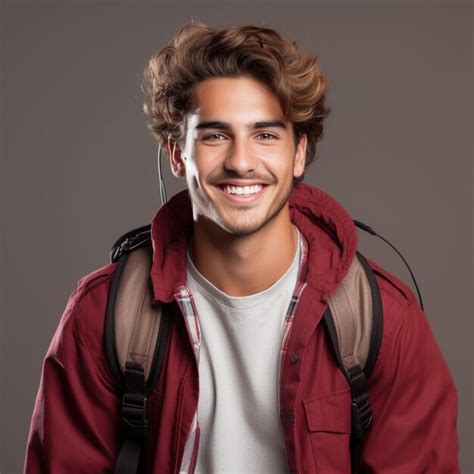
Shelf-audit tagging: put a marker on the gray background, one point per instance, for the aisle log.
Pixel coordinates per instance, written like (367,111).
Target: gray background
(78,165)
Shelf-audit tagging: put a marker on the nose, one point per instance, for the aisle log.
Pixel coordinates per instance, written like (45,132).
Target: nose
(240,158)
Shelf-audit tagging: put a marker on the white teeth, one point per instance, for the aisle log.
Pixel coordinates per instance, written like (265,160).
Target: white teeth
(243,189)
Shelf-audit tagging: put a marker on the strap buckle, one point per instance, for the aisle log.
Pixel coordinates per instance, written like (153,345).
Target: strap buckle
(134,414)
(361,415)
(361,409)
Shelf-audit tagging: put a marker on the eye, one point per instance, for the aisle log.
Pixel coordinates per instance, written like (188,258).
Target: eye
(214,137)
(267,136)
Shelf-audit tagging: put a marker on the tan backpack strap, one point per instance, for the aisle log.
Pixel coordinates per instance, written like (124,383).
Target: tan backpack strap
(354,319)
(351,308)
(136,338)
(137,322)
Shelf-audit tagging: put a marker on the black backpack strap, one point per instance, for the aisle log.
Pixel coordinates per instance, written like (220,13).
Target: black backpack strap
(134,420)
(355,337)
(136,337)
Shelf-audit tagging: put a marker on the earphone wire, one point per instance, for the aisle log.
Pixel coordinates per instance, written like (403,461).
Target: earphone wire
(161,183)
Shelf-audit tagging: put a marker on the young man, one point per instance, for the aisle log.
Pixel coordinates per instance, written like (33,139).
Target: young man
(247,257)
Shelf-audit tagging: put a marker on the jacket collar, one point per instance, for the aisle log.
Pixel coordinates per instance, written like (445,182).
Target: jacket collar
(329,231)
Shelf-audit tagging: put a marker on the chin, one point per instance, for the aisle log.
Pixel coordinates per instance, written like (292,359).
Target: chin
(242,230)
(243,225)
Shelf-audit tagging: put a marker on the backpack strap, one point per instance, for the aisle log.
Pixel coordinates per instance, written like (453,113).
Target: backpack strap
(136,337)
(354,322)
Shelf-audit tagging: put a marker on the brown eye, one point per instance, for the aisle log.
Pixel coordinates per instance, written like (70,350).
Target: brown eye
(213,136)
(267,136)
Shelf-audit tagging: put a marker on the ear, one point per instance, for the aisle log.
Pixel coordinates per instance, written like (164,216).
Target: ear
(176,159)
(300,156)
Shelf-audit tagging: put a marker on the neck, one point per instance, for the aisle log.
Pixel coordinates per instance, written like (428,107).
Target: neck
(248,264)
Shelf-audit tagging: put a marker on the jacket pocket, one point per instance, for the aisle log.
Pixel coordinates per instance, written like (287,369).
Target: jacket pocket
(328,420)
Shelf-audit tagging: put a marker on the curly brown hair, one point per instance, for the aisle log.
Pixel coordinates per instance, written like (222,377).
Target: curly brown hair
(198,52)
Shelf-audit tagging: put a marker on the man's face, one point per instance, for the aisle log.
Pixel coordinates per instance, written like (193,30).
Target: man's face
(239,156)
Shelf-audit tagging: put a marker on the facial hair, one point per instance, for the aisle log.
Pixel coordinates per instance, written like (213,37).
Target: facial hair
(203,205)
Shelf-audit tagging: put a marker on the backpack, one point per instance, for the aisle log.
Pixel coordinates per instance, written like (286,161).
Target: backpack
(136,338)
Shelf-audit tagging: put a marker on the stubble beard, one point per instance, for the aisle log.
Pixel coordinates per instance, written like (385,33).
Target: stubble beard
(247,224)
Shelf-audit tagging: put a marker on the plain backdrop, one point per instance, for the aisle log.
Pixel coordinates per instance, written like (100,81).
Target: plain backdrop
(78,165)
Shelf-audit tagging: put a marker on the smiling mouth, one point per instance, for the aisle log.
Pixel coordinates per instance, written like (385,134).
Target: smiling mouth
(241,190)
(242,193)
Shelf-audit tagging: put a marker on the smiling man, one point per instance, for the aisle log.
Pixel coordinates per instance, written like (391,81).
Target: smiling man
(246,259)
(239,159)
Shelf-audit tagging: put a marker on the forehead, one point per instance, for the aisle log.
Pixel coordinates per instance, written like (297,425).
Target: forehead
(235,100)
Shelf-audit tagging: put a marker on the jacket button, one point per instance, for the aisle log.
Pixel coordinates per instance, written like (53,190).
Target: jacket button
(294,359)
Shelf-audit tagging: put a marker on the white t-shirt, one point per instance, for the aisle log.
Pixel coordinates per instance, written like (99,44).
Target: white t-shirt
(238,374)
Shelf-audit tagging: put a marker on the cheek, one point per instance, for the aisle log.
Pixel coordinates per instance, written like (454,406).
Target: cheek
(210,152)
(192,171)
(210,159)
(282,167)
(198,171)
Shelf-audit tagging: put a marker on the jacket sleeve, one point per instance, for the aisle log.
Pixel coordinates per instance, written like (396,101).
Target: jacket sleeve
(74,422)
(414,404)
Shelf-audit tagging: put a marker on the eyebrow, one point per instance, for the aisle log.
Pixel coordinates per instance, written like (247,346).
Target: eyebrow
(253,126)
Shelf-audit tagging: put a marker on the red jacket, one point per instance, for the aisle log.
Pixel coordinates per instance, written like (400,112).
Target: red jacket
(75,426)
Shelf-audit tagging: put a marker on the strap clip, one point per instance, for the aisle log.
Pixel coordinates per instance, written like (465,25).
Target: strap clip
(134,414)
(361,415)
(361,409)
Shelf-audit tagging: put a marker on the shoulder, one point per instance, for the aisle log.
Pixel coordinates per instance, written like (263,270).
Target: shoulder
(396,297)
(392,289)
(398,302)
(92,286)
(90,299)
(82,324)
(404,322)
(96,277)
